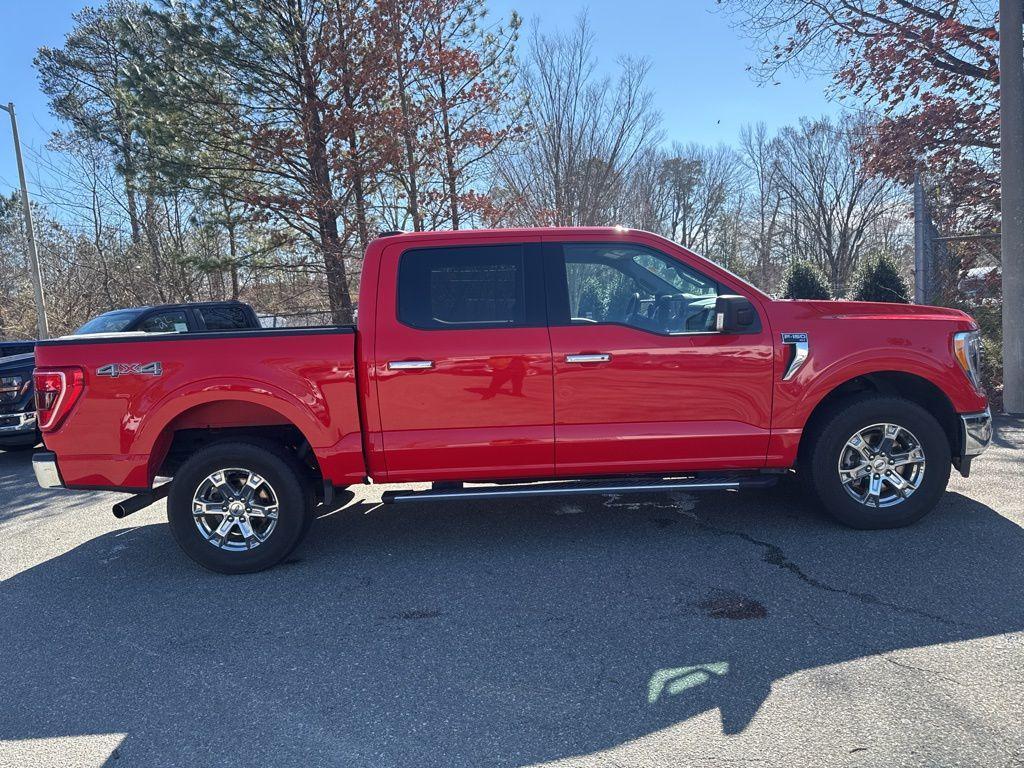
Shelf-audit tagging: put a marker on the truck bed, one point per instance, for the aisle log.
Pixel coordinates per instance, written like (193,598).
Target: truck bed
(140,392)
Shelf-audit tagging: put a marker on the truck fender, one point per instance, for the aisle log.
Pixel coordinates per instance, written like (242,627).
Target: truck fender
(207,391)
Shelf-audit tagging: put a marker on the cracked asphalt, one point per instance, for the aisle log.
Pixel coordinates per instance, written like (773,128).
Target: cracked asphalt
(651,630)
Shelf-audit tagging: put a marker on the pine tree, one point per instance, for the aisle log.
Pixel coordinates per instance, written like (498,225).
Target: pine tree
(805,281)
(880,280)
(245,100)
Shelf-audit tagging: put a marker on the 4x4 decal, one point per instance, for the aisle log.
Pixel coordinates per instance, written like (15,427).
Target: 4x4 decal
(113,370)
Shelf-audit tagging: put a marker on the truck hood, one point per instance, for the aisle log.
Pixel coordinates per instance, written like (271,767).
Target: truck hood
(17,363)
(865,310)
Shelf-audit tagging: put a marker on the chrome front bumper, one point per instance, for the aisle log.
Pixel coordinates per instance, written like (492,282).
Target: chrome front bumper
(17,423)
(975,437)
(44,464)
(975,432)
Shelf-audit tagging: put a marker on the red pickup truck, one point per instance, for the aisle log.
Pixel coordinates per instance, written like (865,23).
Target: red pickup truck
(513,363)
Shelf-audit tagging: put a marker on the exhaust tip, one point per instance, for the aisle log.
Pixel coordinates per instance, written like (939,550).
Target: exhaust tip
(133,504)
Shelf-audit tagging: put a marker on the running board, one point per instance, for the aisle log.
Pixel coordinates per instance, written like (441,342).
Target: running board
(581,487)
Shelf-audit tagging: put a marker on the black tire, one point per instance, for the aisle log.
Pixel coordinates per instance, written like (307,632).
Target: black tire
(860,413)
(286,479)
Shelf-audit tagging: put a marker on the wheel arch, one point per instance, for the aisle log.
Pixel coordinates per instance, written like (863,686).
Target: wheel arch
(908,386)
(226,416)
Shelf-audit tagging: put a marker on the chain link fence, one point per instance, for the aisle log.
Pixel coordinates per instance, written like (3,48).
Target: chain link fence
(960,270)
(314,319)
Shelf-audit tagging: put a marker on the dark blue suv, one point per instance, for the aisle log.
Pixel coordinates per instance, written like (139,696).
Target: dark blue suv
(17,411)
(18,429)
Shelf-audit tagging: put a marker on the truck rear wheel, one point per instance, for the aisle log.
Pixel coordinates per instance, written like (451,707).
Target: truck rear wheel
(879,462)
(239,507)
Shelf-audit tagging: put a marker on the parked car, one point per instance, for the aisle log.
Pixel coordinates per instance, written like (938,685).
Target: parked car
(981,283)
(18,428)
(175,318)
(537,361)
(9,348)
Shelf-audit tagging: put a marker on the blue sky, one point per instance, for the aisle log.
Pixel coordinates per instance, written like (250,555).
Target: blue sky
(698,70)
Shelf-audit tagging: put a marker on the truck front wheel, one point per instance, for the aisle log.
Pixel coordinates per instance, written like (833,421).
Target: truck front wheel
(239,507)
(879,462)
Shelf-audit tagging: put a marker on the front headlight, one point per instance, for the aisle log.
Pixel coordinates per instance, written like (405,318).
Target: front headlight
(11,388)
(967,351)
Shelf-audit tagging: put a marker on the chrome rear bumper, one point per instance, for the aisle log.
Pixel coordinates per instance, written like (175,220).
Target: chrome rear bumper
(44,464)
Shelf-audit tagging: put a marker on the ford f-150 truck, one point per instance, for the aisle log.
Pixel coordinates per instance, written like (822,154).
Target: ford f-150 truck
(510,363)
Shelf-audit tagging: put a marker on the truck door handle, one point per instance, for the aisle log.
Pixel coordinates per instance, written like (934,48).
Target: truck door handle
(410,365)
(597,357)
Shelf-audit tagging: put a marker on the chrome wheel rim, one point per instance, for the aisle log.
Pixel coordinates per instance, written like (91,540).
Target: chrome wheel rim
(882,465)
(235,509)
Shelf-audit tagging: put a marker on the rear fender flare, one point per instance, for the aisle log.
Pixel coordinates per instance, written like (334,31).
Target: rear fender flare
(208,391)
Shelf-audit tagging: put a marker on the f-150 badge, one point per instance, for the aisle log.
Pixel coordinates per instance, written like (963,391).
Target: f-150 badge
(113,370)
(801,349)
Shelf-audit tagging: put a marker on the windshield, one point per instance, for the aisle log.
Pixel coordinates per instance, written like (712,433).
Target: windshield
(110,322)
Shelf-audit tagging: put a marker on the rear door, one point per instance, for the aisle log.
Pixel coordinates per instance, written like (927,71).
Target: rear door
(643,381)
(462,362)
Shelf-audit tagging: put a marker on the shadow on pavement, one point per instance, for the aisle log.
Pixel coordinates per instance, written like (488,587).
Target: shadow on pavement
(500,634)
(24,498)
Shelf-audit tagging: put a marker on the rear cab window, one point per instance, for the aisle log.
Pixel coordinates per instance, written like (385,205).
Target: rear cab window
(172,321)
(489,286)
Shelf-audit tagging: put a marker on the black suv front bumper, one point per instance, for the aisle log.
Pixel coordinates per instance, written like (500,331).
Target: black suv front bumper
(20,429)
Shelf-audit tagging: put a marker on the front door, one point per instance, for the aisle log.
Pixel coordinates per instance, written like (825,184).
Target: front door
(462,363)
(643,382)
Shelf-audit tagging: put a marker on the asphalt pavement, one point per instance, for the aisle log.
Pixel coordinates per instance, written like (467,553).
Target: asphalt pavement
(713,629)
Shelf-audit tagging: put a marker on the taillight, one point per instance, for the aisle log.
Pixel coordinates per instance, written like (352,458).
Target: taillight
(57,390)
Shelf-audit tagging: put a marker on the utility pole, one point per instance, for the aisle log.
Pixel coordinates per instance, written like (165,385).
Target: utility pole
(30,233)
(1011,149)
(922,258)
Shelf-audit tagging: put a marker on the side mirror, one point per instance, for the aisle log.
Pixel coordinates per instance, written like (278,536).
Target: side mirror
(735,314)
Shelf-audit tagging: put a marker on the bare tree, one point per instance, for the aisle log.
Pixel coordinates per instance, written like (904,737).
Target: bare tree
(691,194)
(703,181)
(588,134)
(929,67)
(467,91)
(759,155)
(834,200)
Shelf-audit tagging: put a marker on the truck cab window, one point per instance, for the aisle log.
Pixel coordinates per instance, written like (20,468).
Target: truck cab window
(225,317)
(639,287)
(110,322)
(165,322)
(455,288)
